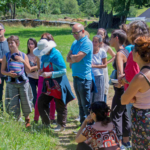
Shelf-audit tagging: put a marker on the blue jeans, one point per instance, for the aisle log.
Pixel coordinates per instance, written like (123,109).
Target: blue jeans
(129,106)
(105,98)
(1,92)
(82,89)
(34,85)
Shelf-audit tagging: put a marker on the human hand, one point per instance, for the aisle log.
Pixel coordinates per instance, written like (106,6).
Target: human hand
(12,74)
(120,78)
(89,119)
(19,58)
(47,74)
(35,68)
(118,85)
(0,81)
(40,71)
(133,100)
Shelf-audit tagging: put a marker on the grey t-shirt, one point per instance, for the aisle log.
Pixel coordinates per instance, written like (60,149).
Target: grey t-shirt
(97,60)
(3,50)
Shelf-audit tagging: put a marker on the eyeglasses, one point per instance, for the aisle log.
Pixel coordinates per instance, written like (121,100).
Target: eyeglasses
(76,32)
(1,29)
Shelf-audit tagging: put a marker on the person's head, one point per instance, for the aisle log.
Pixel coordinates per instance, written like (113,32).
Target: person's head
(78,31)
(2,30)
(118,37)
(97,41)
(99,112)
(13,42)
(31,45)
(104,35)
(141,51)
(47,36)
(124,27)
(136,29)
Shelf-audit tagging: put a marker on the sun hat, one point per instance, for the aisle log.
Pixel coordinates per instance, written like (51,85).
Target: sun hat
(43,47)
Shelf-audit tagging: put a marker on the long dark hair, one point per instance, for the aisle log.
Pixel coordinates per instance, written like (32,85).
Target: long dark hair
(102,112)
(106,39)
(35,43)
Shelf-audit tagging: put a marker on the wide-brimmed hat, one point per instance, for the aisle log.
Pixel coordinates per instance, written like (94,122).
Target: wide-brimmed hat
(43,47)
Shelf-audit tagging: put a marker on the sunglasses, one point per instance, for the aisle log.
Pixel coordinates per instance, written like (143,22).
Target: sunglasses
(76,32)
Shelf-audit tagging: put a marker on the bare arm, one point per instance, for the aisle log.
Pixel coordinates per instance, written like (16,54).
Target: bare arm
(119,63)
(78,57)
(38,62)
(0,60)
(134,87)
(26,63)
(69,58)
(79,137)
(113,55)
(104,65)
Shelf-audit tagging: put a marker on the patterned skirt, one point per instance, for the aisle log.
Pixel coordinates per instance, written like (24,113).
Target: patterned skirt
(140,129)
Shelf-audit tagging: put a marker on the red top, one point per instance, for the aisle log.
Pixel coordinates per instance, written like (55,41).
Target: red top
(100,139)
(131,69)
(54,91)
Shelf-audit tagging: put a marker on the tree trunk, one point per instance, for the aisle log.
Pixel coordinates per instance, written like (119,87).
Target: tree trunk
(101,12)
(14,12)
(11,9)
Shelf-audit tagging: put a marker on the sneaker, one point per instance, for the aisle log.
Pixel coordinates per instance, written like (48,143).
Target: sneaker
(77,119)
(122,147)
(59,128)
(20,120)
(53,122)
(127,145)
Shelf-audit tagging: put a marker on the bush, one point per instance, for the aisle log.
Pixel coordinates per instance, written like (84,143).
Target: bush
(132,12)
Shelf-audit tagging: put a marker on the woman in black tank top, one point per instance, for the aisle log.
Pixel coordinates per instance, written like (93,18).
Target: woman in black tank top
(119,113)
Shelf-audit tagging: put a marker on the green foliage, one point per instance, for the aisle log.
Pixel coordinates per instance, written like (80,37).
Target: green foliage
(88,7)
(132,12)
(70,7)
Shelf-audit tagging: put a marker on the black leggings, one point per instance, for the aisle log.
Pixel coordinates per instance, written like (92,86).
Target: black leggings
(119,115)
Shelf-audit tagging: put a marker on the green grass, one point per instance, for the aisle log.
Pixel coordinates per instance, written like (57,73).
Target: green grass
(141,10)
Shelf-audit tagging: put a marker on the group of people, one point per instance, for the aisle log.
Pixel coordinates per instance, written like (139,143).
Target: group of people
(43,70)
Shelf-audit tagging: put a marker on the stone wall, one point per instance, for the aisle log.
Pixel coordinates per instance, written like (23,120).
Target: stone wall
(36,22)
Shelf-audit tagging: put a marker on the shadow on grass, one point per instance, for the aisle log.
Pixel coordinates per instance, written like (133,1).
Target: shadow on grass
(39,128)
(26,33)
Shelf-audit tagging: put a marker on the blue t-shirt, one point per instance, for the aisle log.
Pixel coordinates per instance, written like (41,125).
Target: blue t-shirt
(82,69)
(129,48)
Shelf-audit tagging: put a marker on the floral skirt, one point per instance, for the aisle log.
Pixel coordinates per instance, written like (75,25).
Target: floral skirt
(140,129)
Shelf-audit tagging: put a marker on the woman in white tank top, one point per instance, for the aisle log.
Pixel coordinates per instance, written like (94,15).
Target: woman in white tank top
(138,93)
(107,48)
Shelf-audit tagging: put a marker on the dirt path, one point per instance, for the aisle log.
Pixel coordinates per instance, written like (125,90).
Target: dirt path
(67,137)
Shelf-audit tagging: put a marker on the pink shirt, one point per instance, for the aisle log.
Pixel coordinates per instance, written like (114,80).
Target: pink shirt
(131,69)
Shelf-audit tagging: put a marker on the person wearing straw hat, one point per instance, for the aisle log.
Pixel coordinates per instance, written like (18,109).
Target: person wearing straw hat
(55,86)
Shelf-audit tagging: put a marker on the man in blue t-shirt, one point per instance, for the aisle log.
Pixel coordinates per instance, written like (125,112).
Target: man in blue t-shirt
(3,50)
(80,56)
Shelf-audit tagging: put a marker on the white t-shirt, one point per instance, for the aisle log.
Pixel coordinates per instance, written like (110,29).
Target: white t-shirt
(97,60)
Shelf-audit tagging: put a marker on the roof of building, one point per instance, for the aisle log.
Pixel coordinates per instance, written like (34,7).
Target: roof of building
(146,14)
